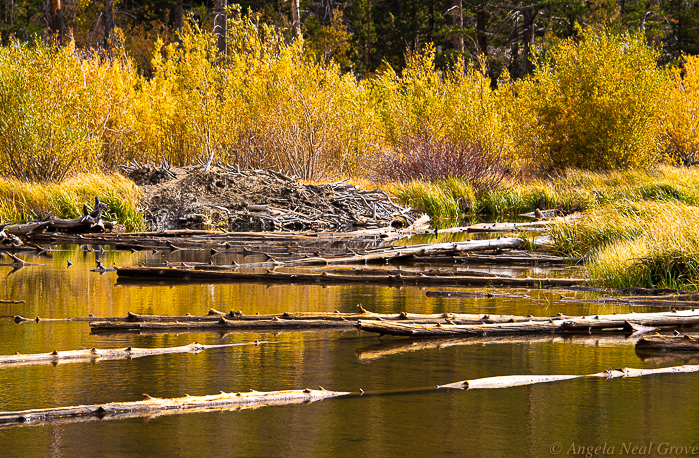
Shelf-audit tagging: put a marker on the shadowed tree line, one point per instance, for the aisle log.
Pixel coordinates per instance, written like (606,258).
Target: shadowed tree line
(364,36)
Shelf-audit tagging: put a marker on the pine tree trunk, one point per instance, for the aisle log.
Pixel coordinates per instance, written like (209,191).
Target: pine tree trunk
(108,22)
(295,19)
(220,29)
(458,22)
(57,21)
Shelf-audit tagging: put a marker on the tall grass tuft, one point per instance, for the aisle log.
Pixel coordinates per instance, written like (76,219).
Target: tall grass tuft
(446,201)
(641,244)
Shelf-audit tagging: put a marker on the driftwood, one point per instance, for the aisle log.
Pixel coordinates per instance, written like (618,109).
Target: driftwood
(631,322)
(512,257)
(221,324)
(471,295)
(90,222)
(17,262)
(215,316)
(154,406)
(225,401)
(655,343)
(405,324)
(150,274)
(509,381)
(81,356)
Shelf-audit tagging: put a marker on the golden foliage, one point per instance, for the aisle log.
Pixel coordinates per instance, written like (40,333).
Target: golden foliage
(595,103)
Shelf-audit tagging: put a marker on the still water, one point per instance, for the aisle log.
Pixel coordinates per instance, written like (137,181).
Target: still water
(555,419)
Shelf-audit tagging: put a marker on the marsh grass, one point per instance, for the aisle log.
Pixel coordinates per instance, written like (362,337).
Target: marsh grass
(454,199)
(640,244)
(22,201)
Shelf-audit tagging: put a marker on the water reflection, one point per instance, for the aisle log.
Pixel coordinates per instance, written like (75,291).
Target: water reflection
(520,421)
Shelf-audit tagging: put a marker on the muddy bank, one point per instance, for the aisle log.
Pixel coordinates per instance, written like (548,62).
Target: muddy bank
(265,200)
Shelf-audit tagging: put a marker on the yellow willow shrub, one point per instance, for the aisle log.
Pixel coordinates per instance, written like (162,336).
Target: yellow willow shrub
(59,110)
(682,121)
(264,104)
(456,104)
(595,103)
(178,112)
(308,119)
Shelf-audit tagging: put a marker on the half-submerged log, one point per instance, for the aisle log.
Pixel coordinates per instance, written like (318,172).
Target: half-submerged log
(404,324)
(509,381)
(630,322)
(149,274)
(91,221)
(17,263)
(78,356)
(222,324)
(154,406)
(656,343)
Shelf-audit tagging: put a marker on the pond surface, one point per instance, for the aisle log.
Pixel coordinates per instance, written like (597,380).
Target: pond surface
(532,421)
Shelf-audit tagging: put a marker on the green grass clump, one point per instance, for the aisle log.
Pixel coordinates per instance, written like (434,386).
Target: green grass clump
(22,201)
(569,189)
(651,244)
(445,201)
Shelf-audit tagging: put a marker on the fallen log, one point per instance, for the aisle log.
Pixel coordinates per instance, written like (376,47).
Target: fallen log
(17,262)
(224,401)
(640,322)
(154,406)
(148,274)
(509,259)
(471,295)
(90,222)
(221,324)
(79,356)
(509,381)
(659,343)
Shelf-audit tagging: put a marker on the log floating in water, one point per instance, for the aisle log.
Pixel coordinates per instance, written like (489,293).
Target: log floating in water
(508,381)
(470,295)
(656,343)
(94,354)
(416,325)
(225,401)
(215,315)
(222,324)
(640,322)
(149,274)
(151,406)
(17,262)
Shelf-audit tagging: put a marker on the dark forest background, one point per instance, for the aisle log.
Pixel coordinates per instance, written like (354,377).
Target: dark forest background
(363,36)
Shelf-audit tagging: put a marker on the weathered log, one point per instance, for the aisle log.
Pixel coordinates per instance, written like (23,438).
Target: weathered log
(656,343)
(222,323)
(11,301)
(78,356)
(471,295)
(508,381)
(627,323)
(215,315)
(533,258)
(89,222)
(17,262)
(444,330)
(154,406)
(141,274)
